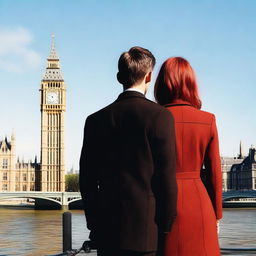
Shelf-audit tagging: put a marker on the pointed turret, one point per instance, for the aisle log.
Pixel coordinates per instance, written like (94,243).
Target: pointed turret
(13,143)
(6,143)
(53,72)
(53,54)
(13,136)
(241,154)
(252,154)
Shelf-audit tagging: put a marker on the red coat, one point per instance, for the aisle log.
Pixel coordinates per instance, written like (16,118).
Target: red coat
(194,231)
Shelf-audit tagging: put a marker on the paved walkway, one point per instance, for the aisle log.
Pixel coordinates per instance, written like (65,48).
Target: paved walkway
(93,253)
(230,253)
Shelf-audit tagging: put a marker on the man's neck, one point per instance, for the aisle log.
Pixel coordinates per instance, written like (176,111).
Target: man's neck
(139,89)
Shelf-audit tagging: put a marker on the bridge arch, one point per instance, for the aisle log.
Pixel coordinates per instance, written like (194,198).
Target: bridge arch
(228,196)
(74,200)
(237,197)
(30,197)
(49,200)
(40,201)
(76,203)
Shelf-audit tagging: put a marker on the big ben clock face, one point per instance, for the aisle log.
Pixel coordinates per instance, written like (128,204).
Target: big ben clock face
(52,98)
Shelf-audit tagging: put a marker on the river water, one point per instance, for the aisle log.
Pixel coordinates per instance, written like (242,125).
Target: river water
(29,232)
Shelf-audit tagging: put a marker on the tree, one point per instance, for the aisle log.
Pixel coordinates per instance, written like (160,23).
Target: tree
(72,182)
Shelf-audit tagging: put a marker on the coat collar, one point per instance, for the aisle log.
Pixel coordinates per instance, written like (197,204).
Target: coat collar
(130,94)
(178,102)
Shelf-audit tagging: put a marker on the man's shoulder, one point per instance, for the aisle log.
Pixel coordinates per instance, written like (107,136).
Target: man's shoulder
(155,107)
(96,115)
(148,107)
(157,113)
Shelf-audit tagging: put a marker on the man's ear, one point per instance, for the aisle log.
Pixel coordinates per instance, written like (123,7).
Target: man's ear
(148,77)
(118,77)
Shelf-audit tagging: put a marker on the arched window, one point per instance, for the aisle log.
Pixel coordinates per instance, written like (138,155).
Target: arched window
(24,177)
(5,164)
(5,177)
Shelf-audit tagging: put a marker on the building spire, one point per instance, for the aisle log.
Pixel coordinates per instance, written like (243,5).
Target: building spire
(53,43)
(53,72)
(53,54)
(241,154)
(13,135)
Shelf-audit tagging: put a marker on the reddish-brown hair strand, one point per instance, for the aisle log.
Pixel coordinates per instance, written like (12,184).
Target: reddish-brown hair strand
(177,80)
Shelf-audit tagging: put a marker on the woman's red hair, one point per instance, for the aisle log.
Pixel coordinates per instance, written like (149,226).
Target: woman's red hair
(177,80)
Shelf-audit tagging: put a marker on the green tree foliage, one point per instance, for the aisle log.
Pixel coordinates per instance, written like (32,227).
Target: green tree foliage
(72,182)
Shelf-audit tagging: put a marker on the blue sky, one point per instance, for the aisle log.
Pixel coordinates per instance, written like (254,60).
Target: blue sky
(217,37)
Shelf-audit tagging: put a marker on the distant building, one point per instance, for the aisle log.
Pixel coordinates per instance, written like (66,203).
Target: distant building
(17,175)
(239,173)
(226,164)
(49,175)
(53,107)
(72,171)
(243,175)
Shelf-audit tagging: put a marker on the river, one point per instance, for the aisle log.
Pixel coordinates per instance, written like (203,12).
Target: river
(29,232)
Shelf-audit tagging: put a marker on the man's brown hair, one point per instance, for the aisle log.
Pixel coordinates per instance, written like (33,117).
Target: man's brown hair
(134,65)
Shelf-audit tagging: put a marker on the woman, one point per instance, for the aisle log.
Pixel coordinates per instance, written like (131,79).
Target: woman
(199,206)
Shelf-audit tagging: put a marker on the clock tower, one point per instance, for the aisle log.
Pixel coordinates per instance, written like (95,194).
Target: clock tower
(53,106)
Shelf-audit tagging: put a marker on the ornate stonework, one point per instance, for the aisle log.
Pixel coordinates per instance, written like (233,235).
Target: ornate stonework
(16,176)
(49,175)
(53,106)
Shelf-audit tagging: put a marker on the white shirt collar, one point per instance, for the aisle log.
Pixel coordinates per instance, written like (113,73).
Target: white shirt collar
(134,90)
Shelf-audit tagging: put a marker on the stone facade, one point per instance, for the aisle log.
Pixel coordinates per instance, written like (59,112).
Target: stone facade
(16,175)
(49,175)
(53,106)
(239,173)
(226,164)
(242,176)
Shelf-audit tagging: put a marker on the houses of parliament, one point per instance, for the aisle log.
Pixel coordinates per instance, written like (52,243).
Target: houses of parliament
(49,173)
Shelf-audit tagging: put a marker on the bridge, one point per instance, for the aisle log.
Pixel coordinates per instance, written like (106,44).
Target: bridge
(65,199)
(239,198)
(238,194)
(45,199)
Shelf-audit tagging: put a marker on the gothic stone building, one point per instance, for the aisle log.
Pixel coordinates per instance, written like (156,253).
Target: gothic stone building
(17,176)
(226,164)
(239,173)
(242,176)
(49,175)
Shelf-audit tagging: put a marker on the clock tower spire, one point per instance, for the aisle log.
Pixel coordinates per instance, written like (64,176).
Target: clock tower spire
(53,106)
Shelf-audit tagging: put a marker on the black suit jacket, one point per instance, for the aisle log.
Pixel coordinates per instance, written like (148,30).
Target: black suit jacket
(127,173)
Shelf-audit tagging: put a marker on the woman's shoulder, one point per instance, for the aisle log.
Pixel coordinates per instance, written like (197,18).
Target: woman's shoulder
(191,114)
(204,115)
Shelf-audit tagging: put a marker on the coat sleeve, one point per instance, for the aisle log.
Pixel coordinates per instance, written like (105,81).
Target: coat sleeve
(88,176)
(164,157)
(213,171)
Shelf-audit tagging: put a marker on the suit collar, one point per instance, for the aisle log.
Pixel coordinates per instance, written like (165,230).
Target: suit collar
(178,102)
(134,89)
(130,94)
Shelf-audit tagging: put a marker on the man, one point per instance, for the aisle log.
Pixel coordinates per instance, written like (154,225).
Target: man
(127,166)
